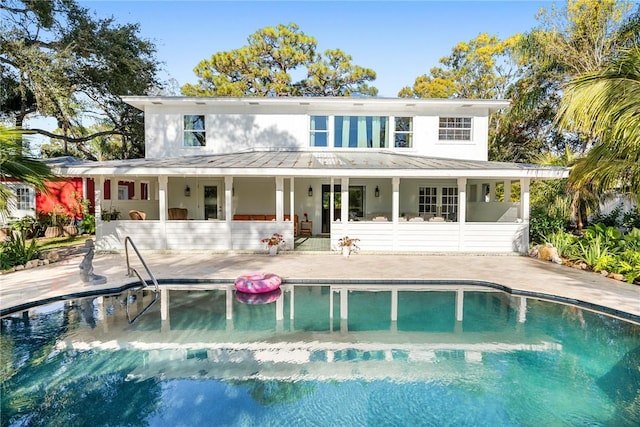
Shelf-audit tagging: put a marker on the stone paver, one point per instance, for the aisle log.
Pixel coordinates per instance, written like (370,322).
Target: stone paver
(519,273)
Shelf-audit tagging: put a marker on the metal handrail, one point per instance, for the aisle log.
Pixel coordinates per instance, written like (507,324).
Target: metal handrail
(127,240)
(131,271)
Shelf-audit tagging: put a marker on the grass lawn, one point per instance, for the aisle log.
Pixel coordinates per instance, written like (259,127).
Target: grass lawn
(60,242)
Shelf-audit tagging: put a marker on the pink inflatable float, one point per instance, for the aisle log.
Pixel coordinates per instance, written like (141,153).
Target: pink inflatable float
(258,283)
(264,298)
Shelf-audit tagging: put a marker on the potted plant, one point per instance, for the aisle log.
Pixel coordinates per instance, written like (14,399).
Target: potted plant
(348,245)
(273,243)
(54,229)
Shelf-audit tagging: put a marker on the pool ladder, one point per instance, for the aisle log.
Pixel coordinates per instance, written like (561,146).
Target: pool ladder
(131,272)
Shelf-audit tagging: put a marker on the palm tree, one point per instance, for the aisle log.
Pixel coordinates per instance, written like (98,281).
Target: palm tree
(605,106)
(17,164)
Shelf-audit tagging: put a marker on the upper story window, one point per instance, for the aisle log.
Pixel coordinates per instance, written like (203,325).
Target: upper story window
(194,131)
(24,199)
(360,132)
(403,135)
(319,132)
(454,129)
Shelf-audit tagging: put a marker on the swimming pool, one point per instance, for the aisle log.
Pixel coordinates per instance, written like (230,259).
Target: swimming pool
(339,354)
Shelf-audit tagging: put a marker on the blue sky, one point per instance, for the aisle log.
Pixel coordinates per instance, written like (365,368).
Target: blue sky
(397,39)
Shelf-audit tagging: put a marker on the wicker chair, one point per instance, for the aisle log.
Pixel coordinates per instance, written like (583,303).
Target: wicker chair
(178,213)
(137,215)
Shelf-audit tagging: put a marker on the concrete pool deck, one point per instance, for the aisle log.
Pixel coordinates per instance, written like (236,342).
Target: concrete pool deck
(516,272)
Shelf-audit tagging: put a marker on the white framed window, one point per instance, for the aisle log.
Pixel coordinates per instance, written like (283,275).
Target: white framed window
(319,131)
(403,132)
(454,129)
(360,131)
(449,203)
(25,199)
(194,131)
(427,201)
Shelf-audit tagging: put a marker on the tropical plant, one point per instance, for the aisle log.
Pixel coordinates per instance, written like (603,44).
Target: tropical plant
(16,250)
(542,224)
(610,237)
(562,241)
(593,253)
(629,265)
(604,105)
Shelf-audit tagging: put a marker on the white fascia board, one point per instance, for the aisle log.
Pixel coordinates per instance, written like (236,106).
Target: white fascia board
(316,103)
(356,173)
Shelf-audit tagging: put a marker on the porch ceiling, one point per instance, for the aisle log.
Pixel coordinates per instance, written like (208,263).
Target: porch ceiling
(313,164)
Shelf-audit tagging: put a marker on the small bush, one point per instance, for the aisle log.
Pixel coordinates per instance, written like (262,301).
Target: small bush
(631,219)
(542,224)
(16,251)
(562,241)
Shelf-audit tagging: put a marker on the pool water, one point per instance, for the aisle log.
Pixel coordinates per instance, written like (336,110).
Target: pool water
(342,355)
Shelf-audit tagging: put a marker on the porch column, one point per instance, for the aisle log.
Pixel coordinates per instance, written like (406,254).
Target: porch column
(292,200)
(228,208)
(163,180)
(507,191)
(462,211)
(332,204)
(492,191)
(395,210)
(344,208)
(279,198)
(97,194)
(524,199)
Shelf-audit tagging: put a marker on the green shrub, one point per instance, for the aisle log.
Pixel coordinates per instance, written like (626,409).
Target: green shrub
(542,224)
(27,224)
(88,224)
(631,219)
(16,251)
(612,219)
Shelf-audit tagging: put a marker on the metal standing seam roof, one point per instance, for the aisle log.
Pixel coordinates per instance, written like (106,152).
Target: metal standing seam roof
(260,163)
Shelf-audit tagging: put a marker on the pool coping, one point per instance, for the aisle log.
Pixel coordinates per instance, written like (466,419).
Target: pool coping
(598,308)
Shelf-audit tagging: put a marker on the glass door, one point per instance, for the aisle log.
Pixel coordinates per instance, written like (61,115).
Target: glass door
(210,202)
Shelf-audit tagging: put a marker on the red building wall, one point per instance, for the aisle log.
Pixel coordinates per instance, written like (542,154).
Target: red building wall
(67,194)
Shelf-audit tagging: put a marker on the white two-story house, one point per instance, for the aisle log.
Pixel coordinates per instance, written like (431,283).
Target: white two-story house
(401,175)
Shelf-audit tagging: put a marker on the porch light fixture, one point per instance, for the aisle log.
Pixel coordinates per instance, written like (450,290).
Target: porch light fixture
(310,192)
(377,192)
(187,191)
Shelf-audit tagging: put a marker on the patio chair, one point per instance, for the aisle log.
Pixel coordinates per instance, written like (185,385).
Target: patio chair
(178,213)
(137,215)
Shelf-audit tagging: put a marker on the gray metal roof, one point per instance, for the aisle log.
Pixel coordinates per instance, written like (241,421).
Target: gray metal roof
(313,163)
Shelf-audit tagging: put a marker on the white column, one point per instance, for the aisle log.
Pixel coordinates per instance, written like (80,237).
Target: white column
(97,196)
(522,310)
(279,198)
(332,205)
(395,209)
(344,304)
(492,191)
(507,191)
(344,208)
(462,211)
(228,209)
(524,198)
(292,199)
(163,181)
